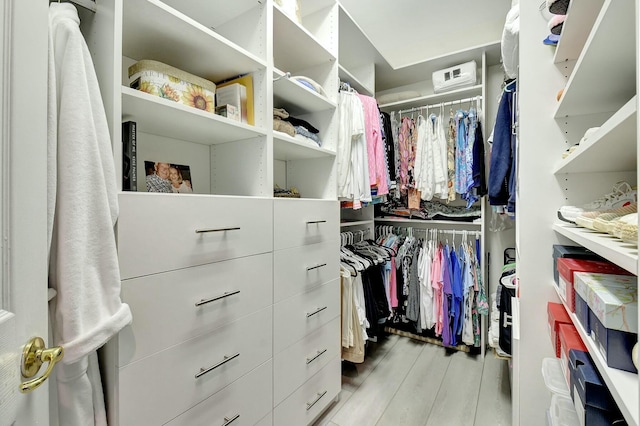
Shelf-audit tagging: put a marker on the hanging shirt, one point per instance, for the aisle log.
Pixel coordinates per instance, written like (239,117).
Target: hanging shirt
(461,152)
(451,158)
(375,148)
(447,298)
(437,276)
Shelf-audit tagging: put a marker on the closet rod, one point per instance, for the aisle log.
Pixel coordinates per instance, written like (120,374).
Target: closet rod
(441,104)
(90,5)
(447,231)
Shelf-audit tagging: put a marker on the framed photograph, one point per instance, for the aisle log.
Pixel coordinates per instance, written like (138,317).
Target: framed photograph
(168,177)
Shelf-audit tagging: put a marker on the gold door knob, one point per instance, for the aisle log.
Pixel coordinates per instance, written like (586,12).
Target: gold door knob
(33,356)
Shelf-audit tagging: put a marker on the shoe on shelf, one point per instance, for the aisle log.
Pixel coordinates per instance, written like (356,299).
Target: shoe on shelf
(604,222)
(626,228)
(622,194)
(588,219)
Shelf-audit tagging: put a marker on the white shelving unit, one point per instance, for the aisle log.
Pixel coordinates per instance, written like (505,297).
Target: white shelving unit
(357,55)
(287,148)
(622,254)
(600,90)
(623,384)
(170,119)
(611,148)
(576,28)
(350,223)
(298,98)
(435,223)
(152,29)
(597,85)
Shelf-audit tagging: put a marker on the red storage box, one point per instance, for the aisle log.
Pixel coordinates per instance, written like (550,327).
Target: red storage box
(557,315)
(566,268)
(569,339)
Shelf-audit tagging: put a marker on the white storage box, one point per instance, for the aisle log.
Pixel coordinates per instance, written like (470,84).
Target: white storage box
(236,95)
(462,75)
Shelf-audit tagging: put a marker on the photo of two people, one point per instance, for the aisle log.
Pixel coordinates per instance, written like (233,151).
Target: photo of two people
(167,177)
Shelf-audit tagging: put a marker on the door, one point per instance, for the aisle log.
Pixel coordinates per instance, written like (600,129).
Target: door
(23,202)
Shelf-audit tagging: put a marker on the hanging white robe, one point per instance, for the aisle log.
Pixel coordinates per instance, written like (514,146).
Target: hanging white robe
(82,211)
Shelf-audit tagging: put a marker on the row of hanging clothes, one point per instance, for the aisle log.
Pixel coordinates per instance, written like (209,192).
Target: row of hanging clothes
(361,151)
(363,266)
(438,155)
(434,285)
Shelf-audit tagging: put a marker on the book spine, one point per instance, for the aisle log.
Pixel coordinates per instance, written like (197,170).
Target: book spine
(129,156)
(134,156)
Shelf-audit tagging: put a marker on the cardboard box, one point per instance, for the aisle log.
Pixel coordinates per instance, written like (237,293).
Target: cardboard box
(235,95)
(576,358)
(567,267)
(593,401)
(614,345)
(569,339)
(556,315)
(229,111)
(570,252)
(582,313)
(612,298)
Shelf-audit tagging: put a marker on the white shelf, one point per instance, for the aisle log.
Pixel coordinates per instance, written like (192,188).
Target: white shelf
(576,28)
(154,30)
(604,77)
(294,47)
(167,118)
(622,254)
(623,385)
(211,14)
(346,76)
(611,149)
(288,148)
(296,98)
(465,92)
(428,223)
(355,223)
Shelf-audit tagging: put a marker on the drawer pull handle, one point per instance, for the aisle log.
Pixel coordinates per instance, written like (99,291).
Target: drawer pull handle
(213,299)
(311,404)
(311,268)
(317,311)
(311,222)
(203,231)
(228,421)
(316,356)
(226,359)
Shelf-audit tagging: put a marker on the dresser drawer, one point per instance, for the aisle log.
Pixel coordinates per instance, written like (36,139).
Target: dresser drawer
(190,302)
(299,269)
(163,232)
(300,315)
(156,389)
(247,400)
(302,222)
(300,361)
(305,404)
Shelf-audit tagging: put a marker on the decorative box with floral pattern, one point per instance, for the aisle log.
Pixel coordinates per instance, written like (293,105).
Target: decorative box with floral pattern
(612,298)
(163,80)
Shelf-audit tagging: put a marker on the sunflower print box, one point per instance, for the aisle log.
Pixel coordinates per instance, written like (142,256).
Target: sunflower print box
(163,80)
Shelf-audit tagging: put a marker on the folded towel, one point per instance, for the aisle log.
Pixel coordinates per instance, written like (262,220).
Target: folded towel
(299,122)
(280,112)
(283,126)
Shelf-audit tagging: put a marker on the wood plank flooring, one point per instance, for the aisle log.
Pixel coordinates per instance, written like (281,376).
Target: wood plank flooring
(404,382)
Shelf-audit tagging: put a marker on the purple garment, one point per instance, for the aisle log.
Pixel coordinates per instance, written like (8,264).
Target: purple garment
(458,293)
(446,297)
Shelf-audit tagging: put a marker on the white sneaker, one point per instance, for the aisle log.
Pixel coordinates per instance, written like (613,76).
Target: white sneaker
(622,194)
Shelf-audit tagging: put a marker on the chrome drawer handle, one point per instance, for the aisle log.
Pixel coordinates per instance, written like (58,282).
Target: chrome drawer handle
(311,222)
(311,404)
(316,356)
(202,231)
(228,421)
(226,359)
(213,299)
(310,314)
(311,268)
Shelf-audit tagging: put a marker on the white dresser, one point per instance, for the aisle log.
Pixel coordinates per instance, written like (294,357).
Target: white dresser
(236,309)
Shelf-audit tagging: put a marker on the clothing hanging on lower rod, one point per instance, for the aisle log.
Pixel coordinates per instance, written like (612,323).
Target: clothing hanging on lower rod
(437,294)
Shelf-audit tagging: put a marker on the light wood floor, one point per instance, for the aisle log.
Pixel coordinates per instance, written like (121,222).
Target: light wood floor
(404,382)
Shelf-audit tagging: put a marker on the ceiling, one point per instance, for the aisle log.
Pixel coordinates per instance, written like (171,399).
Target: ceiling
(407,33)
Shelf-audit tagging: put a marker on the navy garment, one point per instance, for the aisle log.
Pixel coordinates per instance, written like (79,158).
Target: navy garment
(502,172)
(457,293)
(479,168)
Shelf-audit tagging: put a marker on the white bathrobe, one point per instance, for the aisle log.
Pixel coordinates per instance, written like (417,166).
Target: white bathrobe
(82,212)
